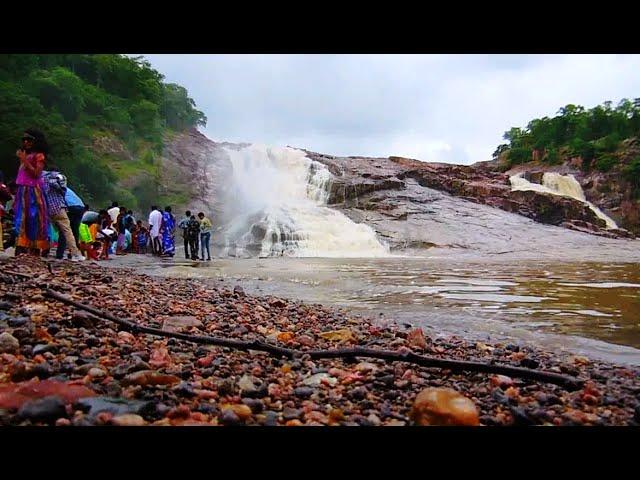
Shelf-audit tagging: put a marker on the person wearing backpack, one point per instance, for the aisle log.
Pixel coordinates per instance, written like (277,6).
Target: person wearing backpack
(192,233)
(55,186)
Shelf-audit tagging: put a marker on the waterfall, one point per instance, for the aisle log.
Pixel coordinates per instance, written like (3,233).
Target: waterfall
(277,202)
(562,185)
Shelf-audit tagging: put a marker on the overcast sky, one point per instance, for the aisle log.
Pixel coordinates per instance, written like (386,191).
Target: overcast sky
(448,108)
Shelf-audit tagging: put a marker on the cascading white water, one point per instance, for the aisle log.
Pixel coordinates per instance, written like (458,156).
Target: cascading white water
(562,185)
(282,191)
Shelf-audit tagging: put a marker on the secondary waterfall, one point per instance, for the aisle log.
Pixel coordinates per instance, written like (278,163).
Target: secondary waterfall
(563,185)
(276,201)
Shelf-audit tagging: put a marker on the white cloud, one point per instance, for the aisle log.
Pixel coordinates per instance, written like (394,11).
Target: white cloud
(451,108)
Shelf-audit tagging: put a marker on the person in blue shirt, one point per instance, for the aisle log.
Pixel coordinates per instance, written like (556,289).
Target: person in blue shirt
(75,210)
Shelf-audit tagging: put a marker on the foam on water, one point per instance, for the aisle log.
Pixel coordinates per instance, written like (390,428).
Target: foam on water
(285,193)
(562,185)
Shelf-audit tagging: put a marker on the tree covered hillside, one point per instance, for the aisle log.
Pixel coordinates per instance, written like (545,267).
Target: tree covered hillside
(597,136)
(105,117)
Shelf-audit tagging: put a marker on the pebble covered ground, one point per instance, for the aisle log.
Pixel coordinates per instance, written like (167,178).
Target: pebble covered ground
(62,366)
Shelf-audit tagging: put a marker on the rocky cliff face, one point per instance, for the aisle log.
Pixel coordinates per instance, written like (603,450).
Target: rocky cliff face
(191,163)
(609,191)
(360,180)
(410,204)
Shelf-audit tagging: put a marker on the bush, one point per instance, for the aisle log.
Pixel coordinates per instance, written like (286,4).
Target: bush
(552,157)
(519,155)
(632,174)
(605,163)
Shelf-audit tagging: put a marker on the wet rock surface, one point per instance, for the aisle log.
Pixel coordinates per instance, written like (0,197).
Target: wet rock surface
(98,374)
(386,185)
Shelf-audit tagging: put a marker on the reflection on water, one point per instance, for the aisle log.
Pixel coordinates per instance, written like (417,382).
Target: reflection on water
(599,301)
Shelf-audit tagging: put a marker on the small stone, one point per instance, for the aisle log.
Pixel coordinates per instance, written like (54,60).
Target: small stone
(53,329)
(229,418)
(92,341)
(41,370)
(242,411)
(359,393)
(271,418)
(254,404)
(226,387)
(43,410)
(185,389)
(8,343)
(5,305)
(247,384)
(149,377)
(115,406)
(443,406)
(416,339)
(291,413)
(501,381)
(366,367)
(341,335)
(208,409)
(374,419)
(22,334)
(541,397)
(553,400)
(529,363)
(18,322)
(96,373)
(388,380)
(336,415)
(303,392)
(305,340)
(319,379)
(520,416)
(394,422)
(579,360)
(277,303)
(176,324)
(128,420)
(238,290)
(483,347)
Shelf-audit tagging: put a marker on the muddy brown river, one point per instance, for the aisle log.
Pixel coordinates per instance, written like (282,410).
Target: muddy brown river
(589,308)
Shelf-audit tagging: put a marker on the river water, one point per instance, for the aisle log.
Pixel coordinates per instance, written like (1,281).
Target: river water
(492,275)
(587,308)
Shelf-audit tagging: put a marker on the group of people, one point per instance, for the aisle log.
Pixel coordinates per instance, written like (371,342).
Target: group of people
(39,210)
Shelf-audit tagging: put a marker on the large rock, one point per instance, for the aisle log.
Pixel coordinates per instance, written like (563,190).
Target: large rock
(14,395)
(443,406)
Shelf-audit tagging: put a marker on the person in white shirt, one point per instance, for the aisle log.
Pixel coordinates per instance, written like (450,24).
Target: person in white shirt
(114,211)
(155,221)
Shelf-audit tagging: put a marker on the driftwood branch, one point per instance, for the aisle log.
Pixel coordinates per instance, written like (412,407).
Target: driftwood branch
(16,274)
(570,383)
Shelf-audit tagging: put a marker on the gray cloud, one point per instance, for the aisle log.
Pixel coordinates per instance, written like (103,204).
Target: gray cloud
(451,108)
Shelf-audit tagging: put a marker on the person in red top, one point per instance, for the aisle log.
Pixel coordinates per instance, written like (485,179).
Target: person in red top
(30,209)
